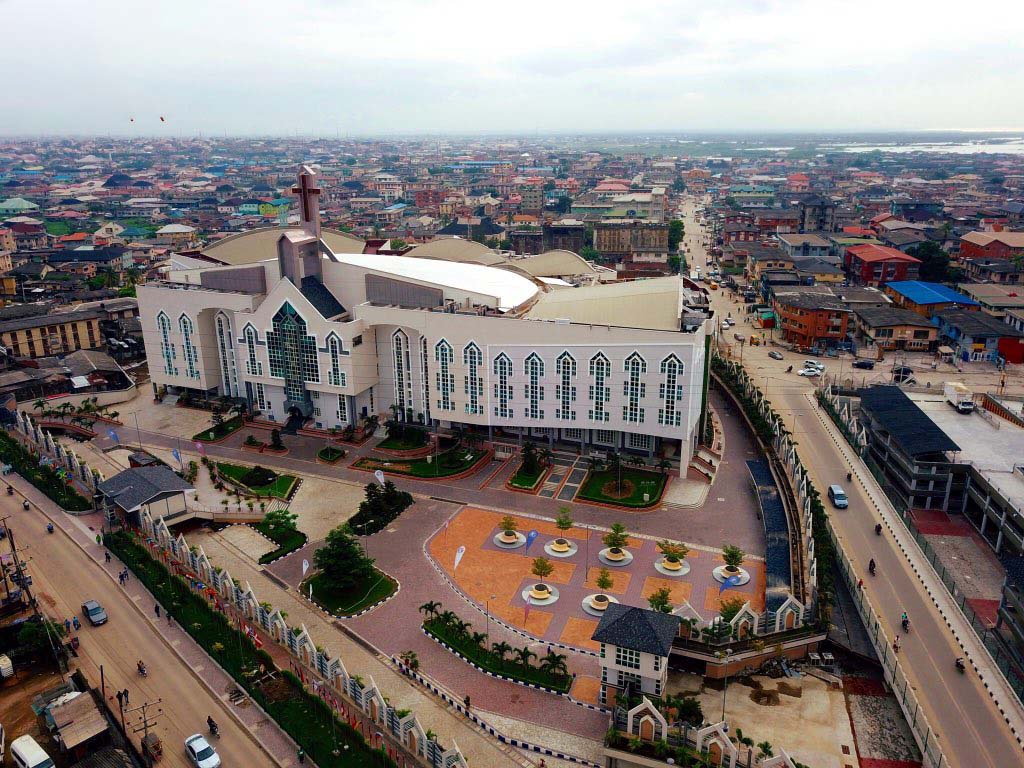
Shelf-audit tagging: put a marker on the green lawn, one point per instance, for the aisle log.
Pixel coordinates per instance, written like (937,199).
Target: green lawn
(599,486)
(487,659)
(287,541)
(444,465)
(57,228)
(526,480)
(279,486)
(410,441)
(330,453)
(300,713)
(221,430)
(345,602)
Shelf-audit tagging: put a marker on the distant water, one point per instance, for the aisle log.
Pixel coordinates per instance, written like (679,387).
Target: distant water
(1009,146)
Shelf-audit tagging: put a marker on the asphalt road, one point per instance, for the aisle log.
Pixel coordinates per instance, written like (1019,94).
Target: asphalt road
(63,577)
(971,730)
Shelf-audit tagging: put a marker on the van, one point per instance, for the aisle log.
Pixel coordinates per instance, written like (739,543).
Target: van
(26,753)
(838,497)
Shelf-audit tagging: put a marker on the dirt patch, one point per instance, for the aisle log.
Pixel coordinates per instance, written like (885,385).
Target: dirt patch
(277,690)
(765,697)
(624,491)
(16,694)
(787,689)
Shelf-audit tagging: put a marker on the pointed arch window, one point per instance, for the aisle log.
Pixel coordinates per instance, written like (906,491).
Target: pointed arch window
(534,370)
(403,372)
(167,349)
(633,388)
(335,349)
(292,352)
(226,350)
(253,366)
(445,379)
(600,393)
(565,390)
(670,392)
(474,383)
(502,387)
(188,347)
(425,377)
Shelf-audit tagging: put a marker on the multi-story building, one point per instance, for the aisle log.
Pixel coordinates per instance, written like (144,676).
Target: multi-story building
(817,214)
(805,245)
(319,336)
(618,240)
(992,245)
(42,335)
(895,328)
(811,319)
(876,265)
(635,646)
(928,298)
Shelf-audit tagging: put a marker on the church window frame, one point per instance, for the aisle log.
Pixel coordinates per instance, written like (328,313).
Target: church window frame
(502,387)
(444,355)
(473,383)
(167,348)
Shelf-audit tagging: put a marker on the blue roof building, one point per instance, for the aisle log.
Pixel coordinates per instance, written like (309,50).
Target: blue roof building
(927,298)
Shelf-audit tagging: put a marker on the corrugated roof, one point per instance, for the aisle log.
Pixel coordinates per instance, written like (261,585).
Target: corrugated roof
(930,293)
(908,426)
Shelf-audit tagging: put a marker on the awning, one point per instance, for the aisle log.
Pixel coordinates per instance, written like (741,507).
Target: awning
(945,351)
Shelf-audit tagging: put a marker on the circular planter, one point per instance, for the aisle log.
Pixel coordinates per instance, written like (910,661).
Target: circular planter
(594,606)
(668,568)
(615,556)
(560,548)
(722,572)
(509,542)
(532,594)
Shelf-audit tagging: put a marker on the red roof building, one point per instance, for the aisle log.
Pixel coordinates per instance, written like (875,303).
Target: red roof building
(871,264)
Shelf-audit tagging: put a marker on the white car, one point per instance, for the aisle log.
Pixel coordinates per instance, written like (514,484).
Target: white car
(200,753)
(814,364)
(809,372)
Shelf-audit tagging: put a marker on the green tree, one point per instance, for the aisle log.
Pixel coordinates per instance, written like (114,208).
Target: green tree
(730,607)
(501,650)
(508,523)
(35,637)
(733,555)
(542,567)
(590,253)
(661,600)
(676,231)
(764,749)
(430,608)
(617,536)
(397,243)
(673,551)
(531,464)
(604,580)
(342,561)
(280,522)
(275,439)
(934,261)
(523,656)
(564,520)
(553,663)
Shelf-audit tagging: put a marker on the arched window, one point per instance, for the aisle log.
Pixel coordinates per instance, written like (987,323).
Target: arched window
(633,388)
(670,392)
(292,352)
(226,350)
(425,378)
(167,350)
(335,349)
(253,366)
(534,369)
(403,372)
(565,391)
(188,347)
(600,392)
(474,383)
(502,387)
(445,379)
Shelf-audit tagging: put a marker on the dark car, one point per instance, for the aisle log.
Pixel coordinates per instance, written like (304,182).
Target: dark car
(94,613)
(867,365)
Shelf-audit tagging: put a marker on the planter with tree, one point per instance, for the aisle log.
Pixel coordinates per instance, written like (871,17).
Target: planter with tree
(615,542)
(733,557)
(596,604)
(541,592)
(509,536)
(561,546)
(673,558)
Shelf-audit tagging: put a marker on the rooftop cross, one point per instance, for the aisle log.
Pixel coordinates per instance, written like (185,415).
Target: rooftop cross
(308,194)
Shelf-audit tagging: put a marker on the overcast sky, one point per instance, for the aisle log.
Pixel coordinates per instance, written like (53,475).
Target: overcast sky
(405,66)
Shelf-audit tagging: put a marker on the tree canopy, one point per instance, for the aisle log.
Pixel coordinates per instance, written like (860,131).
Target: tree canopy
(342,561)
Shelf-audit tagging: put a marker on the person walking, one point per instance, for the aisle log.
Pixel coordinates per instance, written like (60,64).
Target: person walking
(301,755)
(67,626)
(125,694)
(156,610)
(106,556)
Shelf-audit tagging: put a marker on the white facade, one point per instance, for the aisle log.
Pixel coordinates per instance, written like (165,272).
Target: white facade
(619,666)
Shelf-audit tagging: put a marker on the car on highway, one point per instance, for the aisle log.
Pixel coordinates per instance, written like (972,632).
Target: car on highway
(94,613)
(775,355)
(808,372)
(837,496)
(200,753)
(867,365)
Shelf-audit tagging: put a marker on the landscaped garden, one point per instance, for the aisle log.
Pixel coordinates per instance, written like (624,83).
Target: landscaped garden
(219,430)
(350,600)
(498,658)
(330,454)
(326,739)
(278,525)
(46,479)
(379,509)
(346,581)
(408,439)
(258,480)
(445,464)
(531,469)
(623,486)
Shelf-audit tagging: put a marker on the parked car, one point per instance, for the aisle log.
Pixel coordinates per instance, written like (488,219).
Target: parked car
(200,753)
(814,364)
(867,365)
(808,372)
(94,613)
(774,355)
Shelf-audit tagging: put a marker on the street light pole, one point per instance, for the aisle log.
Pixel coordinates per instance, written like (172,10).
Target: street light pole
(487,613)
(724,657)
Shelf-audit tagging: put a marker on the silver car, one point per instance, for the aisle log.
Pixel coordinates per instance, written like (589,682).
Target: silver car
(200,753)
(94,613)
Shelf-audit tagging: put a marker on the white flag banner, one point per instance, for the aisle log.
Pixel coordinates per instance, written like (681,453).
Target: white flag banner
(380,476)
(458,557)
(305,567)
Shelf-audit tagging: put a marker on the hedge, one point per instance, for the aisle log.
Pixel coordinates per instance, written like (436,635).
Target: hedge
(43,478)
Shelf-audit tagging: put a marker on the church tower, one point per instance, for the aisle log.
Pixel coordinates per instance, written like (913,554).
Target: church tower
(298,252)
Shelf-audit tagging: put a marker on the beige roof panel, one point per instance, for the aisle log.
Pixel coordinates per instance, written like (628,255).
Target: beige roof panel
(650,304)
(457,249)
(261,244)
(557,263)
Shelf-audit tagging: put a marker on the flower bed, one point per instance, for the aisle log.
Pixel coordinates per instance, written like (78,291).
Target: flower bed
(287,541)
(601,487)
(346,602)
(299,713)
(330,454)
(43,478)
(453,462)
(410,440)
(525,481)
(259,481)
(219,431)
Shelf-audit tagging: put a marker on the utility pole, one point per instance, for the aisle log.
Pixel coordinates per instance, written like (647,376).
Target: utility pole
(19,567)
(146,720)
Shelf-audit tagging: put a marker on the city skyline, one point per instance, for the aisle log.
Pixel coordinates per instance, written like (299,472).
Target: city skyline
(400,68)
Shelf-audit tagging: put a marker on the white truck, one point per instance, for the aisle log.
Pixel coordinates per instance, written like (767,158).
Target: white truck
(959,396)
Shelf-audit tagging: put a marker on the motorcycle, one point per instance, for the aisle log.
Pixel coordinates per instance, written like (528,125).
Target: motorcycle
(49,527)
(10,491)
(25,505)
(878,529)
(214,728)
(960,666)
(871,567)
(142,669)
(906,626)
(790,369)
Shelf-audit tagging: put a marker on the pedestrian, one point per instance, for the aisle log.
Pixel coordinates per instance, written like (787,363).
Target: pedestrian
(860,583)
(99,539)
(168,614)
(896,644)
(125,694)
(77,624)
(106,556)
(301,755)
(156,610)
(67,626)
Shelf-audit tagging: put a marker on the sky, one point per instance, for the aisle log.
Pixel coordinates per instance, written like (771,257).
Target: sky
(361,67)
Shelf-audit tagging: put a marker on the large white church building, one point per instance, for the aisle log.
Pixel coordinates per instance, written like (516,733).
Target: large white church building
(335,337)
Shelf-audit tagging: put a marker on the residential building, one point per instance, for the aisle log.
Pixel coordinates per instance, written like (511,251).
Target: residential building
(818,270)
(42,334)
(979,336)
(892,328)
(927,298)
(877,265)
(752,195)
(915,209)
(994,298)
(155,489)
(635,644)
(1002,271)
(811,319)
(17,206)
(618,240)
(803,246)
(817,214)
(992,245)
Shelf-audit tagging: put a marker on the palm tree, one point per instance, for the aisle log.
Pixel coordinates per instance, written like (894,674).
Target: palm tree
(545,456)
(501,650)
(460,627)
(554,663)
(523,656)
(478,638)
(596,463)
(615,466)
(40,405)
(430,609)
(447,618)
(664,465)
